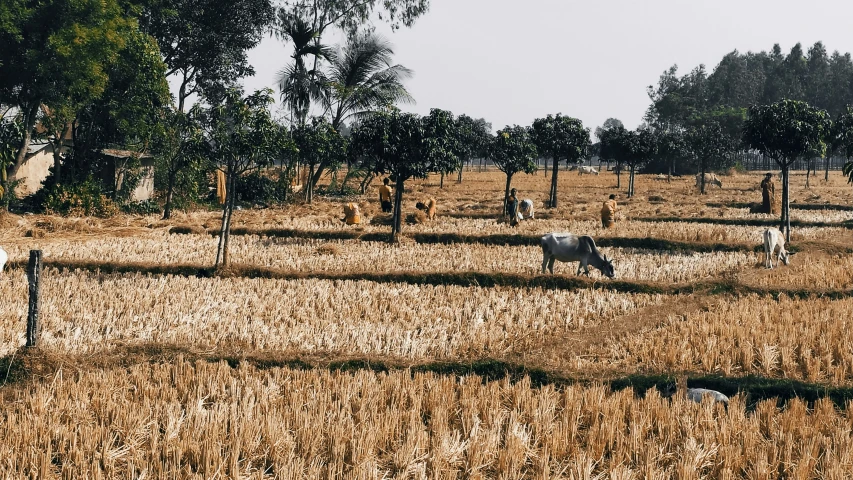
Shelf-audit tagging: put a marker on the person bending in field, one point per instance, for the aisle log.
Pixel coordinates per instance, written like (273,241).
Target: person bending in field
(512,207)
(352,214)
(428,207)
(608,212)
(768,194)
(385,196)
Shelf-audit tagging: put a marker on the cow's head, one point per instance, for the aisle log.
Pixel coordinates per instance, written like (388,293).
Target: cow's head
(785,255)
(607,268)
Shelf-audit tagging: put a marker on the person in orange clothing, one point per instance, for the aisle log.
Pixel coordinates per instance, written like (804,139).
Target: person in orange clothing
(608,212)
(429,207)
(385,196)
(352,214)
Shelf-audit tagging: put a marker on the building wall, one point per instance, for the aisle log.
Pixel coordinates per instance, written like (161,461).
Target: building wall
(33,172)
(145,189)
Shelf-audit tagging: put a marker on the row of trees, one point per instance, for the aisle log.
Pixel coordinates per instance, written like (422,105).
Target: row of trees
(785,131)
(95,71)
(720,99)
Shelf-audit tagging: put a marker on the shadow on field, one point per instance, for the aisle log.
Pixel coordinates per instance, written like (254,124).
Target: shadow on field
(794,206)
(644,243)
(714,286)
(32,365)
(749,222)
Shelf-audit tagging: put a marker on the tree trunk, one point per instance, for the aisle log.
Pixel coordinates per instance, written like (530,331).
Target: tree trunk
(396,222)
(785,223)
(556,168)
(316,176)
(29,123)
(441,182)
(631,182)
(459,180)
(506,191)
(226,257)
(56,145)
(182,92)
(221,249)
(826,165)
(309,189)
(808,172)
(618,175)
(170,192)
(671,171)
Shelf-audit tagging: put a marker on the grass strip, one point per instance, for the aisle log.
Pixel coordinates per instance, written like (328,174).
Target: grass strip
(34,364)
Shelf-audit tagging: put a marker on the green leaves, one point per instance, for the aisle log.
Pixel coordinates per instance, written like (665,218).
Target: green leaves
(59,50)
(319,142)
(708,144)
(240,132)
(206,40)
(787,130)
(512,150)
(561,137)
(406,145)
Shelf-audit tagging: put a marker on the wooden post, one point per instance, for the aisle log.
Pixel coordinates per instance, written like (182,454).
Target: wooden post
(33,276)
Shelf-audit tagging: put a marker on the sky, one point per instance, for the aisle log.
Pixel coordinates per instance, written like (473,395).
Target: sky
(512,61)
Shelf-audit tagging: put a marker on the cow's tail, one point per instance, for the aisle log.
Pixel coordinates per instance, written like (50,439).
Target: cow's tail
(544,244)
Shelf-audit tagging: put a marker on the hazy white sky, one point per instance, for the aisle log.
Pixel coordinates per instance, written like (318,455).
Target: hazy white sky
(512,61)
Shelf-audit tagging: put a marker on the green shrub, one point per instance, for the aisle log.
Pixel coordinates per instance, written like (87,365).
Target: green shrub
(144,207)
(257,188)
(79,200)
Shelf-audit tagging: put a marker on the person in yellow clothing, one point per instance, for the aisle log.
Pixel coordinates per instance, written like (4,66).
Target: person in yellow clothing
(352,214)
(608,212)
(220,186)
(385,196)
(768,194)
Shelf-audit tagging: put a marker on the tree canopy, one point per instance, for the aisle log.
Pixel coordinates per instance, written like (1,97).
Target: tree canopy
(561,138)
(319,144)
(239,133)
(708,146)
(205,42)
(57,52)
(513,151)
(785,131)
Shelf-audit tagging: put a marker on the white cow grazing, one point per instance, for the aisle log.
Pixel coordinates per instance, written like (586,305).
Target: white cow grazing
(567,247)
(694,394)
(3,258)
(774,239)
(589,170)
(525,209)
(710,179)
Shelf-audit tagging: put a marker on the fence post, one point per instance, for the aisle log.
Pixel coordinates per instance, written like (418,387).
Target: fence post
(33,277)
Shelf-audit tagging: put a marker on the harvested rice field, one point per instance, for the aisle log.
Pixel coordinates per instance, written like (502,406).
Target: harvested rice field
(327,352)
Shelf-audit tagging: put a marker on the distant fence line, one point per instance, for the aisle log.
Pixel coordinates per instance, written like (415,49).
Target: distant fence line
(747,159)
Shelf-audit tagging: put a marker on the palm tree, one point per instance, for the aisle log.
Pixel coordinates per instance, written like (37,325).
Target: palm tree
(299,86)
(361,79)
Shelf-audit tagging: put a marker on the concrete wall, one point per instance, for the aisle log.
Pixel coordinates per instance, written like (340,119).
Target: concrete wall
(145,189)
(33,172)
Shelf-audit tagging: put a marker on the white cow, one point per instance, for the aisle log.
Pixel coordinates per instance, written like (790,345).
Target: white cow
(567,247)
(589,170)
(694,394)
(525,209)
(3,258)
(774,239)
(710,179)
